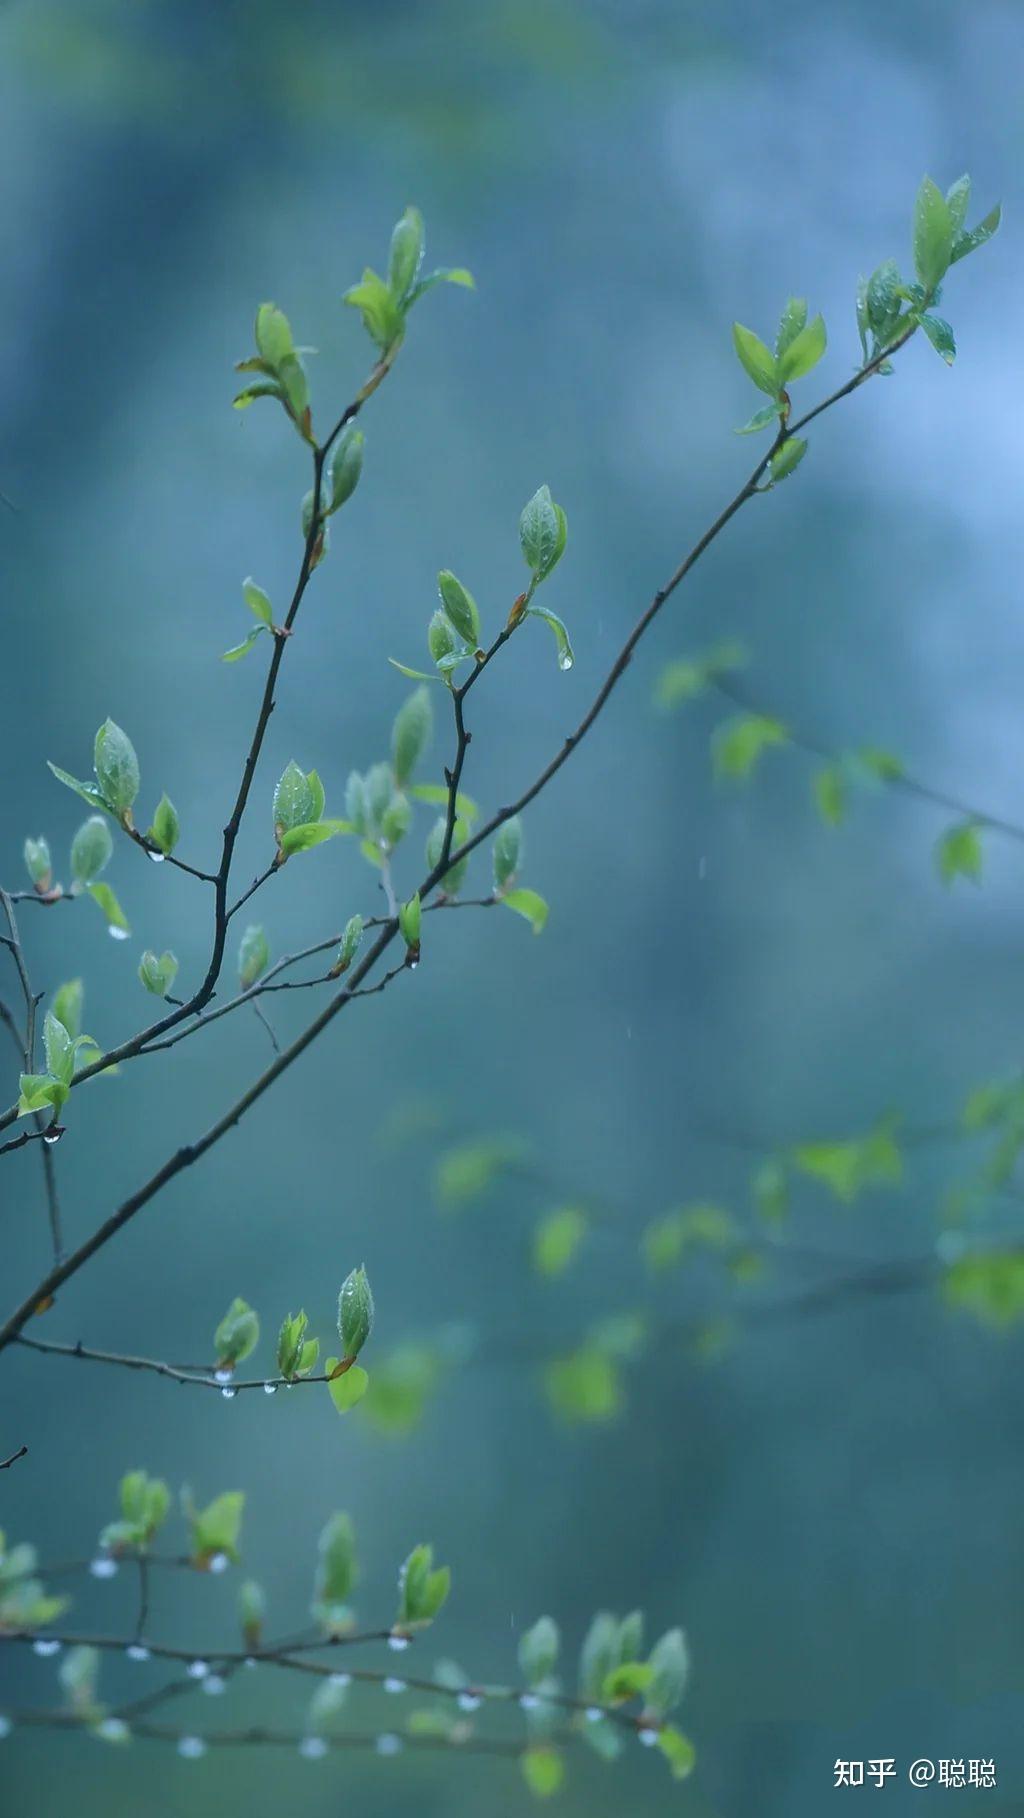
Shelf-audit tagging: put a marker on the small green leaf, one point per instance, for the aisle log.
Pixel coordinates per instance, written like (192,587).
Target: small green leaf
(760,420)
(349,1388)
(406,254)
(89,792)
(349,947)
(444,274)
(507,851)
(460,606)
(669,1664)
(337,1574)
(312,833)
(166,827)
(542,533)
(67,1006)
(117,922)
(959,853)
(423,1588)
(756,359)
(538,1650)
(409,917)
(933,235)
(237,651)
(382,315)
(831,795)
(158,975)
(411,734)
(38,863)
(678,1751)
(794,316)
(216,1528)
(528,904)
(787,459)
(941,337)
(117,767)
(738,744)
(563,646)
(237,1335)
(465,807)
(557,1238)
(59,1048)
(273,334)
(977,236)
(355,1312)
(803,352)
(258,603)
(294,800)
(91,849)
(38,1091)
(543,1770)
(687,677)
(346,466)
(253,956)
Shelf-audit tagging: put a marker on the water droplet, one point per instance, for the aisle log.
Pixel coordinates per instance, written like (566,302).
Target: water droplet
(138,1651)
(398,1643)
(198,1669)
(469,1701)
(223,1375)
(413,965)
(158,857)
(213,1684)
(339,1680)
(118,934)
(565,660)
(270,1388)
(46,1647)
(103,1567)
(312,1748)
(219,1562)
(229,1394)
(6,1726)
(53,1135)
(250,1663)
(388,1744)
(594,1715)
(648,1737)
(191,1747)
(113,1729)
(394,1685)
(528,1701)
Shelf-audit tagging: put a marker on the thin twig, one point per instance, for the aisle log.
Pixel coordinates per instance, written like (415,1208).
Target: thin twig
(6,1463)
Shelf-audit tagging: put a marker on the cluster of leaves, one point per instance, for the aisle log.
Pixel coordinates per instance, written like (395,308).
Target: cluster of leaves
(24,1601)
(238,1334)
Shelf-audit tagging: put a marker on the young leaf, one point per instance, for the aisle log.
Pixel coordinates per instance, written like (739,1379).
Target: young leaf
(756,359)
(557,1238)
(117,922)
(117,767)
(538,1650)
(933,235)
(67,1006)
(89,792)
(273,335)
(382,315)
(258,603)
(423,1588)
(562,644)
(406,254)
(543,1770)
(409,917)
(350,943)
(312,833)
(237,1334)
(355,1312)
(528,904)
(977,236)
(91,849)
(678,1751)
(542,533)
(787,459)
(739,742)
(460,606)
(411,734)
(940,335)
(38,864)
(669,1663)
(346,466)
(238,651)
(794,316)
(760,420)
(508,851)
(336,1572)
(294,800)
(253,956)
(348,1388)
(158,975)
(802,353)
(958,853)
(215,1529)
(166,827)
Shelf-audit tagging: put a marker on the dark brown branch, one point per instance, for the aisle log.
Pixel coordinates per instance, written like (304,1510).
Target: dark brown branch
(6,1463)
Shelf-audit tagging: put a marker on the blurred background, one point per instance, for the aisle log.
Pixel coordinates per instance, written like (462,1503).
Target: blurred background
(827,1498)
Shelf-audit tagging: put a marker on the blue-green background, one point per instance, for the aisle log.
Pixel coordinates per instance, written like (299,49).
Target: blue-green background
(834,1510)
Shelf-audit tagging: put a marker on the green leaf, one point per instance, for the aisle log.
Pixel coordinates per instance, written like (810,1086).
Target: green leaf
(831,795)
(849,1167)
(933,235)
(253,956)
(158,975)
(237,1335)
(409,918)
(382,315)
(739,743)
(989,1286)
(977,236)
(312,833)
(258,603)
(406,254)
(237,651)
(91,849)
(882,300)
(958,196)
(67,1006)
(557,1238)
(629,1680)
(166,827)
(538,1650)
(460,606)
(349,1388)
(669,1664)
(88,791)
(346,466)
(679,1234)
(454,876)
(116,766)
(465,807)
(528,904)
(760,420)
(467,1172)
(585,1386)
(294,801)
(273,335)
(349,947)
(37,1091)
(542,533)
(117,923)
(543,1770)
(563,646)
(687,677)
(959,853)
(423,1588)
(507,851)
(794,316)
(411,733)
(787,459)
(38,863)
(678,1751)
(355,1312)
(803,352)
(415,675)
(941,337)
(336,1572)
(756,359)
(249,396)
(59,1048)
(444,274)
(216,1528)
